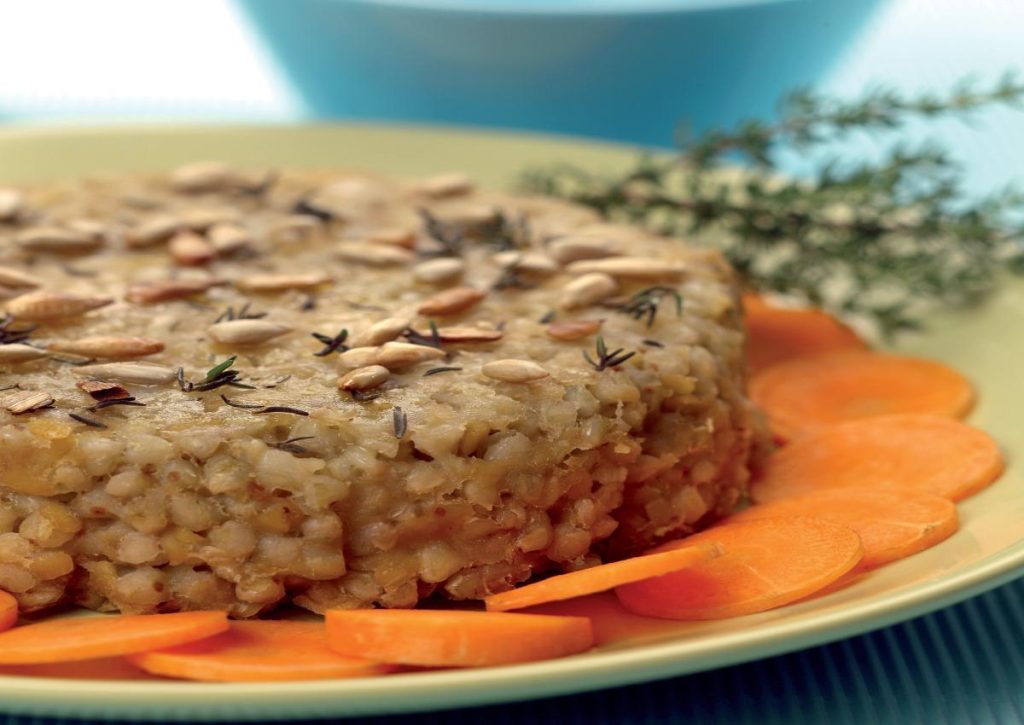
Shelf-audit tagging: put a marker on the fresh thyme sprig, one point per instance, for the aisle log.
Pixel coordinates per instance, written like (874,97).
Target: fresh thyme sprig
(217,376)
(881,240)
(607,358)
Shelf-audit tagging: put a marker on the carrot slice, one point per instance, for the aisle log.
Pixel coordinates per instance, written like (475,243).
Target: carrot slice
(891,524)
(446,638)
(83,638)
(777,334)
(802,396)
(600,578)
(766,563)
(8,611)
(257,651)
(905,452)
(105,669)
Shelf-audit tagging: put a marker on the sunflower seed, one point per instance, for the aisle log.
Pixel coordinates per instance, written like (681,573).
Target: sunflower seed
(17,352)
(43,305)
(246,332)
(128,373)
(631,267)
(92,227)
(588,290)
(15,278)
(445,185)
(170,289)
(374,255)
(154,230)
(11,204)
(228,237)
(574,248)
(25,401)
(394,355)
(190,250)
(365,378)
(57,240)
(395,236)
(442,269)
(514,371)
(358,357)
(573,329)
(452,301)
(383,331)
(463,334)
(109,346)
(532,262)
(281,282)
(201,176)
(200,219)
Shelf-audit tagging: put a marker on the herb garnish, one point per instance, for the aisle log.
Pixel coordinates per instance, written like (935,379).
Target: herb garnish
(91,422)
(400,422)
(416,338)
(645,303)
(331,344)
(449,235)
(233,404)
(504,235)
(511,277)
(292,445)
(653,343)
(242,314)
(437,371)
(898,231)
(548,317)
(306,207)
(282,409)
(308,303)
(216,376)
(606,359)
(108,402)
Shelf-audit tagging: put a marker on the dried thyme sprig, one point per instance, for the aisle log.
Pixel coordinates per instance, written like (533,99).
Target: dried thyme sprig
(607,358)
(243,313)
(450,236)
(331,344)
(645,303)
(292,445)
(881,240)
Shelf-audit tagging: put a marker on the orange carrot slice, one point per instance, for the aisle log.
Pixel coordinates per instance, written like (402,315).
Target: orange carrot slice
(600,578)
(776,334)
(83,638)
(766,563)
(802,396)
(440,638)
(905,452)
(8,611)
(257,651)
(105,669)
(891,524)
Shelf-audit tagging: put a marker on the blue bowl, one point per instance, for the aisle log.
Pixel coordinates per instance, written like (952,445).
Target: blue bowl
(610,69)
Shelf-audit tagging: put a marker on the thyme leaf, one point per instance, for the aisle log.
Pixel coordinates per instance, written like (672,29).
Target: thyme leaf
(606,358)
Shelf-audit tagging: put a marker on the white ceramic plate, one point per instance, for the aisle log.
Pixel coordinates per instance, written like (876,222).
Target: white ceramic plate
(987,551)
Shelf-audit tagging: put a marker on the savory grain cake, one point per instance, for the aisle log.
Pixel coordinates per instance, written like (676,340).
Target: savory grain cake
(231,389)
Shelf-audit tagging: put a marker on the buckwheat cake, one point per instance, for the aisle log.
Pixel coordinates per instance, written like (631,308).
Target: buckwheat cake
(234,389)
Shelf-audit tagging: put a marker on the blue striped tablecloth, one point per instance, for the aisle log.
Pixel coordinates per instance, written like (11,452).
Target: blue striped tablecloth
(962,665)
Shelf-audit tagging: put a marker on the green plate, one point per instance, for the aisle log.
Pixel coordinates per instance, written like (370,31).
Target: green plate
(988,550)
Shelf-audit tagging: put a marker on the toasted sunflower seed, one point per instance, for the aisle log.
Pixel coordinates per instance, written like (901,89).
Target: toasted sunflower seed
(201,218)
(109,346)
(531,262)
(445,185)
(281,282)
(154,230)
(365,378)
(393,355)
(170,289)
(228,237)
(190,250)
(452,301)
(11,203)
(631,267)
(24,401)
(463,334)
(44,305)
(128,373)
(396,236)
(514,371)
(374,255)
(573,329)
(18,352)
(247,331)
(383,331)
(588,290)
(57,239)
(202,176)
(15,278)
(442,269)
(359,357)
(573,248)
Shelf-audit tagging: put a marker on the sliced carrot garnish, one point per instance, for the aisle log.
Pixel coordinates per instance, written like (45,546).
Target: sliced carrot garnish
(446,638)
(105,669)
(600,578)
(802,396)
(891,524)
(254,651)
(907,452)
(8,611)
(83,638)
(777,334)
(766,563)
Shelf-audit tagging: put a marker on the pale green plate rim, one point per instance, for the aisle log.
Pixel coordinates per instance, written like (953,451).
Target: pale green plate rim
(42,152)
